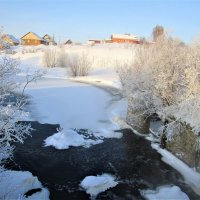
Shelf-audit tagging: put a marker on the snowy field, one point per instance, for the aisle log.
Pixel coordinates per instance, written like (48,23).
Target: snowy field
(105,59)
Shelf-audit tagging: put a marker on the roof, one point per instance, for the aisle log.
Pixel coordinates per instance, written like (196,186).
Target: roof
(37,36)
(94,40)
(12,38)
(124,36)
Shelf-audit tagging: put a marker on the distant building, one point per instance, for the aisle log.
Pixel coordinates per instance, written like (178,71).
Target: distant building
(124,38)
(10,40)
(50,40)
(92,42)
(32,39)
(108,40)
(68,42)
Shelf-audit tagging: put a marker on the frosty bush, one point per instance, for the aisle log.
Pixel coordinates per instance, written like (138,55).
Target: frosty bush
(8,69)
(164,79)
(50,57)
(62,57)
(79,64)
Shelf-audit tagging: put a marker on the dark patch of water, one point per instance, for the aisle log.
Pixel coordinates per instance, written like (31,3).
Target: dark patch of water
(131,159)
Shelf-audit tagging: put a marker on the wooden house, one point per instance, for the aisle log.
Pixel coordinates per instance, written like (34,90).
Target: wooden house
(50,40)
(32,39)
(10,40)
(124,38)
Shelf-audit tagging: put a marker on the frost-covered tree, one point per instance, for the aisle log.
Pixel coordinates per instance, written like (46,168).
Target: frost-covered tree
(11,113)
(158,31)
(164,79)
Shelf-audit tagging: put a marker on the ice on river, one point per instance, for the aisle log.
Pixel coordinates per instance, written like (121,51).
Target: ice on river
(75,106)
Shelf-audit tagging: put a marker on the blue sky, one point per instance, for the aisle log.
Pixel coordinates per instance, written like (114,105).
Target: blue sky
(81,20)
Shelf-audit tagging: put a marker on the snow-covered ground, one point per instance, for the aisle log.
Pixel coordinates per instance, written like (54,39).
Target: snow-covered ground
(97,184)
(104,58)
(14,184)
(165,193)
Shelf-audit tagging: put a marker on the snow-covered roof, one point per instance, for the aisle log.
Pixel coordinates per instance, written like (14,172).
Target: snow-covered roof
(11,37)
(124,36)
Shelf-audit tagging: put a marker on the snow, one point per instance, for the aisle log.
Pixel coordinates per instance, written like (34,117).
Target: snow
(14,184)
(58,99)
(105,59)
(67,138)
(191,177)
(165,193)
(75,105)
(97,184)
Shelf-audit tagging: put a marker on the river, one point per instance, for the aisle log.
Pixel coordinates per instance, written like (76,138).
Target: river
(131,159)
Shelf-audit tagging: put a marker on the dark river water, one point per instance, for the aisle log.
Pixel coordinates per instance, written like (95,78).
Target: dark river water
(131,159)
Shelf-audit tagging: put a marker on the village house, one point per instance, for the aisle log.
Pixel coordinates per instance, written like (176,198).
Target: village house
(50,40)
(10,40)
(124,38)
(32,39)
